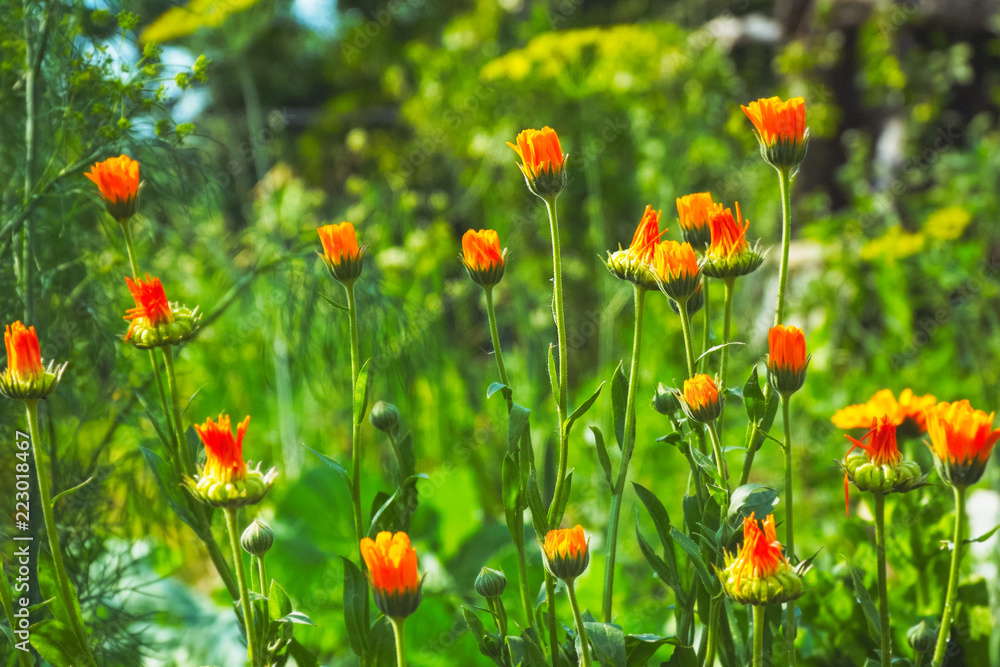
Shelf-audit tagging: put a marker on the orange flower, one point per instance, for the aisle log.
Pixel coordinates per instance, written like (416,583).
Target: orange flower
(786,359)
(151,306)
(729,255)
(676,266)
(117,178)
(542,161)
(780,127)
(961,439)
(24,356)
(483,257)
(223,453)
(693,212)
(881,447)
(701,397)
(341,252)
(567,552)
(634,263)
(392,571)
(647,236)
(760,555)
(881,469)
(908,411)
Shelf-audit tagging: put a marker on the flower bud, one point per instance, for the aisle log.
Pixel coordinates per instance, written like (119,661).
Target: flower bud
(491,583)
(635,263)
(384,416)
(665,400)
(117,178)
(758,573)
(341,253)
(786,359)
(542,161)
(781,130)
(879,467)
(26,377)
(257,538)
(962,439)
(701,399)
(921,638)
(566,553)
(730,255)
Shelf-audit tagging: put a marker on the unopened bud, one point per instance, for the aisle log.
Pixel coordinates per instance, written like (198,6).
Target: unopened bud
(384,416)
(491,583)
(257,538)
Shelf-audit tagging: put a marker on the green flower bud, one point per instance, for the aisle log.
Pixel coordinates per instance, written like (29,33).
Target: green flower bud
(257,538)
(384,416)
(491,583)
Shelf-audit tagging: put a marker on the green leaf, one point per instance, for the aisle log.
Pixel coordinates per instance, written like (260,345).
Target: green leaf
(533,654)
(706,463)
(336,467)
(619,399)
(278,604)
(513,502)
(867,606)
(668,575)
(170,486)
(67,492)
(362,389)
(537,507)
(479,633)
(717,348)
(335,304)
(684,656)
(985,536)
(657,511)
(602,455)
(753,397)
(58,644)
(296,617)
(494,388)
(582,409)
(694,553)
(517,422)
(383,644)
(751,498)
(553,375)
(640,648)
(302,656)
(608,642)
(355,607)
(386,503)
(557,512)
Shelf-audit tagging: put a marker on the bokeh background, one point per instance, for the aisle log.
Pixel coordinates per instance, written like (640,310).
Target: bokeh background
(257,121)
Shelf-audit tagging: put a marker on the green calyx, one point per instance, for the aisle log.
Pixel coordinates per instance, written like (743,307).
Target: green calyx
(233,493)
(885,478)
(625,265)
(182,329)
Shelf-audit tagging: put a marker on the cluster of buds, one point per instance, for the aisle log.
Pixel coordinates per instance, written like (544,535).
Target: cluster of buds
(483,257)
(26,377)
(225,479)
(700,399)
(117,179)
(759,574)
(730,255)
(542,161)
(392,573)
(155,322)
(343,257)
(635,263)
(962,439)
(781,130)
(786,359)
(566,553)
(879,467)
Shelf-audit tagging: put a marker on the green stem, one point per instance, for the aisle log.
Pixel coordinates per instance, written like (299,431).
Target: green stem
(67,597)
(883,587)
(711,634)
(127,233)
(397,630)
(497,352)
(789,528)
(726,331)
(7,601)
(563,380)
(686,330)
(550,598)
(784,183)
(522,578)
(241,576)
(720,460)
(580,630)
(758,635)
(956,560)
(628,446)
(175,400)
(707,339)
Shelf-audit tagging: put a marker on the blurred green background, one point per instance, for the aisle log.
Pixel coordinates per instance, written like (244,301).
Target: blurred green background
(394,116)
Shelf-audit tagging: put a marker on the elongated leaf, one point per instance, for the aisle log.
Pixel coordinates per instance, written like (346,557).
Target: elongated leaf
(553,374)
(985,536)
(684,656)
(494,388)
(517,422)
(373,528)
(657,511)
(165,440)
(582,409)
(57,643)
(355,607)
(669,575)
(608,642)
(640,648)
(537,507)
(694,553)
(170,487)
(362,388)
(557,512)
(751,498)
(296,617)
(602,455)
(716,349)
(619,399)
(513,502)
(707,464)
(76,488)
(278,604)
(867,606)
(302,656)
(335,304)
(333,465)
(753,397)
(383,644)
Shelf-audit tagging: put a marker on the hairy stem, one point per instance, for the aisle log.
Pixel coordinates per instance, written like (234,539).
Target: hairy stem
(707,334)
(784,183)
(497,352)
(241,577)
(397,630)
(789,530)
(956,560)
(686,330)
(563,380)
(580,630)
(883,587)
(758,635)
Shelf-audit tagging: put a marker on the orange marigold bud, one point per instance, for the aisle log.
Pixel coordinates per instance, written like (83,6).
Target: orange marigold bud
(961,439)
(392,571)
(482,257)
(759,573)
(26,377)
(677,271)
(635,262)
(700,398)
(341,253)
(879,467)
(117,178)
(154,321)
(225,479)
(730,254)
(781,129)
(693,212)
(786,359)
(567,552)
(542,161)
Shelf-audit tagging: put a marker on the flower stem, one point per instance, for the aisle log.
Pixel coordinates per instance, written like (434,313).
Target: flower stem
(184,454)
(563,380)
(127,233)
(550,597)
(720,460)
(241,576)
(707,339)
(497,352)
(711,633)
(883,588)
(726,331)
(758,635)
(580,630)
(397,630)
(686,330)
(789,530)
(784,183)
(956,560)
(628,445)
(67,597)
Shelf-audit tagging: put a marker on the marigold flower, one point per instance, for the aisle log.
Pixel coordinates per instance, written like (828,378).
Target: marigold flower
(482,257)
(780,127)
(961,439)
(730,254)
(676,268)
(154,321)
(786,359)
(693,212)
(392,572)
(879,467)
(635,262)
(26,377)
(759,573)
(700,398)
(117,178)
(567,552)
(225,479)
(341,253)
(907,412)
(542,161)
